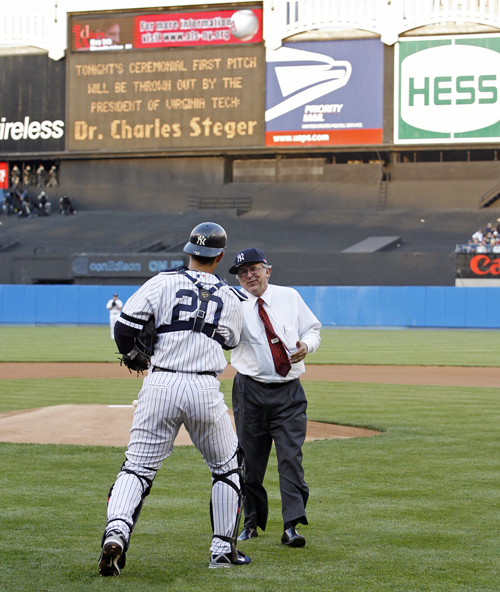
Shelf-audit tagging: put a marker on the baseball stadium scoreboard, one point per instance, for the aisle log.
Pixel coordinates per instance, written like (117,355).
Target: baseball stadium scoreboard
(201,78)
(166,81)
(167,99)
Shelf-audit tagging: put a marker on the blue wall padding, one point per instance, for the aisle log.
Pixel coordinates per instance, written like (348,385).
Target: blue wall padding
(347,306)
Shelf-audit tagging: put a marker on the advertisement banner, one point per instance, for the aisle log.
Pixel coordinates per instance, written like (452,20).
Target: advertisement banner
(447,90)
(207,97)
(171,29)
(4,175)
(124,264)
(324,93)
(477,265)
(32,106)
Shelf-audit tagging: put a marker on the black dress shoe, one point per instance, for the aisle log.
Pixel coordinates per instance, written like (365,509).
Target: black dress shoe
(248,533)
(292,538)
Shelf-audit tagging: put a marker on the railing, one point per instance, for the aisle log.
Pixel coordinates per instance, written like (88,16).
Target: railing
(490,196)
(465,248)
(36,24)
(283,18)
(28,23)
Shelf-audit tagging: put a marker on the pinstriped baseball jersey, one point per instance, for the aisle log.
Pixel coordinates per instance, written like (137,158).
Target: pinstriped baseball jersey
(182,396)
(172,298)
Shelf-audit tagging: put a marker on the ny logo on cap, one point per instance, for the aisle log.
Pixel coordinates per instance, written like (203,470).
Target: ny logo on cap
(241,257)
(201,240)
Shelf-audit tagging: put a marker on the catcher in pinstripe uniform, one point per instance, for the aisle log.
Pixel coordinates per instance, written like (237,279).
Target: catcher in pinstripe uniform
(195,315)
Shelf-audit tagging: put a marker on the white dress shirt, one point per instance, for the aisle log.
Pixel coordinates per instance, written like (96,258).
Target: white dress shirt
(292,321)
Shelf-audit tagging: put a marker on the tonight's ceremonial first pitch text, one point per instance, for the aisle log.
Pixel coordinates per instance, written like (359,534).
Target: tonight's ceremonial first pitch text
(232,63)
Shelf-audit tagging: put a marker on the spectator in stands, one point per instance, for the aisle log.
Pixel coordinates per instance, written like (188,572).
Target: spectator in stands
(478,235)
(470,247)
(15,176)
(489,242)
(53,177)
(482,247)
(40,176)
(43,205)
(7,204)
(65,206)
(26,209)
(27,176)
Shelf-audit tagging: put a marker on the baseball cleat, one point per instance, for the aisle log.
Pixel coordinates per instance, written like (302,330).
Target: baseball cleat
(226,560)
(112,558)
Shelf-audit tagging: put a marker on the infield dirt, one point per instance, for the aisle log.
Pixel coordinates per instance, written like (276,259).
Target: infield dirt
(105,425)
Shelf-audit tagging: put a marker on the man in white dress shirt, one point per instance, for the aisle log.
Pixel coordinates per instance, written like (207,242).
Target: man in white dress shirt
(269,403)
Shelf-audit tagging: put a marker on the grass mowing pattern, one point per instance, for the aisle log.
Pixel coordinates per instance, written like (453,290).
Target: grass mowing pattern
(56,344)
(32,393)
(415,509)
(418,347)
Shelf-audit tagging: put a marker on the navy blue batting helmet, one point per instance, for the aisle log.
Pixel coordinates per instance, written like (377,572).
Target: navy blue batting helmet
(208,239)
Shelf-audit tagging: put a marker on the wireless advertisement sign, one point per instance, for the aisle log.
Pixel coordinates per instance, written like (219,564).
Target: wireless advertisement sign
(326,93)
(32,105)
(447,90)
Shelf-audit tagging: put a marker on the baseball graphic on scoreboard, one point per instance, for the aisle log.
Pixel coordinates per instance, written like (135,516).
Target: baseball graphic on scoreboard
(244,24)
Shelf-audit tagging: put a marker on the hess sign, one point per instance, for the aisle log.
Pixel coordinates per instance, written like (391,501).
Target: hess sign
(448,90)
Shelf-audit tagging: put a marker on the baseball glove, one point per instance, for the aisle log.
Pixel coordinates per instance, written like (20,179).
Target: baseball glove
(139,359)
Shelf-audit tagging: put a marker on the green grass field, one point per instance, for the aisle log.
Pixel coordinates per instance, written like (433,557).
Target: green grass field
(421,347)
(415,509)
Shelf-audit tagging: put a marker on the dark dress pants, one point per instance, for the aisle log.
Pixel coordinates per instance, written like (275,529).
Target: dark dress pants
(263,413)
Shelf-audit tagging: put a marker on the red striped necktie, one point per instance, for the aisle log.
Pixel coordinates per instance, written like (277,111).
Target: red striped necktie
(278,351)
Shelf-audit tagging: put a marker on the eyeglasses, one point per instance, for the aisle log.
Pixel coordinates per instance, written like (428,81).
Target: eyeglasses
(254,270)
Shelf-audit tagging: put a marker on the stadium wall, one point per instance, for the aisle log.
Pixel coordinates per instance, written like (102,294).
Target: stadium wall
(369,306)
(300,268)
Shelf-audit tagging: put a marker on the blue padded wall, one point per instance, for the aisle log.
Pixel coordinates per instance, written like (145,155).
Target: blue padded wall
(356,306)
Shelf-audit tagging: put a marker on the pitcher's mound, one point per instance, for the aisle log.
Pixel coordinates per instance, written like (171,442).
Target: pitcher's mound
(108,425)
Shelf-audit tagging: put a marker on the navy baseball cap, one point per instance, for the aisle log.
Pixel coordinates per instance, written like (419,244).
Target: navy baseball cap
(251,255)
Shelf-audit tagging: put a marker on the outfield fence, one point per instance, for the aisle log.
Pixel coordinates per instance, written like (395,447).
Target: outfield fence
(343,306)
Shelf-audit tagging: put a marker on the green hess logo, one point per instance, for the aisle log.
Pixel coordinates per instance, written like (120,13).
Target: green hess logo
(448,90)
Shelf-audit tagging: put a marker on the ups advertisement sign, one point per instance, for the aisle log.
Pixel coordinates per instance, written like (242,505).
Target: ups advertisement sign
(166,99)
(477,265)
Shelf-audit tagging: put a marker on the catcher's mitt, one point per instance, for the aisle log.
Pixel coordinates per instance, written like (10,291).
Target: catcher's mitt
(139,359)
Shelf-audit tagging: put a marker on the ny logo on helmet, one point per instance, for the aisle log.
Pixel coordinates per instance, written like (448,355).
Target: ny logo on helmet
(241,257)
(201,240)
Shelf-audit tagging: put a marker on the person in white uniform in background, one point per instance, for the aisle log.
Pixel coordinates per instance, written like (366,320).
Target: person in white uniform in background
(115,307)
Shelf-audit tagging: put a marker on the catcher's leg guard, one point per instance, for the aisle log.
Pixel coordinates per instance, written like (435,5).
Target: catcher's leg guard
(125,505)
(225,478)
